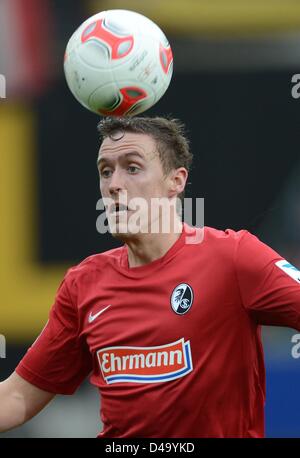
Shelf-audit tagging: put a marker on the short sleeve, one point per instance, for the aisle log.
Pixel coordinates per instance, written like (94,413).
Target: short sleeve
(269,286)
(59,360)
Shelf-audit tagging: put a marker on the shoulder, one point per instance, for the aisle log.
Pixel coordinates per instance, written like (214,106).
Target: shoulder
(228,236)
(215,243)
(93,265)
(234,243)
(245,249)
(242,249)
(226,241)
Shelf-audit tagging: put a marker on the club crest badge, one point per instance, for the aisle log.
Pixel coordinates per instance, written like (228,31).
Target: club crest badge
(182,298)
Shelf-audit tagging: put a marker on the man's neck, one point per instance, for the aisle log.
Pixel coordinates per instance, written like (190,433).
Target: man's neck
(148,247)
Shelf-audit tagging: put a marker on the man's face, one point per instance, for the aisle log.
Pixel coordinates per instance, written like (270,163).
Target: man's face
(129,166)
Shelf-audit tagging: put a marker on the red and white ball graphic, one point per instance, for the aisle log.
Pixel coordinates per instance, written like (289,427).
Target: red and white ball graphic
(118,63)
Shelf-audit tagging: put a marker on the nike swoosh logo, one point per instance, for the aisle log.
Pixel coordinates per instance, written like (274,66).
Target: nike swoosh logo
(93,317)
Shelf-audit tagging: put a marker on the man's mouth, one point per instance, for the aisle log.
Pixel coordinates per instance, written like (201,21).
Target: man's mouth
(118,208)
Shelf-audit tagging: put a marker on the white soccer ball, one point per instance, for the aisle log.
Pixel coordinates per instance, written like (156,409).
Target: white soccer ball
(118,63)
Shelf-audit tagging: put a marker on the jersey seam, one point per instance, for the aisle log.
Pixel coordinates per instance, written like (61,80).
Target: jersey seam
(244,307)
(41,380)
(74,308)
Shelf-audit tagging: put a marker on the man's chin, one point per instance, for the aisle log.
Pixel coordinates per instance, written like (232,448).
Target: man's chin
(121,236)
(124,232)
(120,231)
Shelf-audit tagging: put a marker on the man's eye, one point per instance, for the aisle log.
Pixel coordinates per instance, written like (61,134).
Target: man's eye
(133,169)
(105,173)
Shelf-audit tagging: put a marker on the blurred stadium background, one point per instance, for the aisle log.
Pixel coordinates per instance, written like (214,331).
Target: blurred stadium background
(234,61)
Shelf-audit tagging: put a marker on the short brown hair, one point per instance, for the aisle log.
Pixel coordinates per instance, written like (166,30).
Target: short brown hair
(169,135)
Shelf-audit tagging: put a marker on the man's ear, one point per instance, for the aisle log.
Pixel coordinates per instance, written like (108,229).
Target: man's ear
(177,181)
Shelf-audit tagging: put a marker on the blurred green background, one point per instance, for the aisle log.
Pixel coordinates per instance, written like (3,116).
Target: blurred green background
(233,68)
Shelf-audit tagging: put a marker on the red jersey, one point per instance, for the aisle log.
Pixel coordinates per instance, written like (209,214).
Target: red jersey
(173,346)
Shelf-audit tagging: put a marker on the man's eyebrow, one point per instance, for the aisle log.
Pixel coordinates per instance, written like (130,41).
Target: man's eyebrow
(130,153)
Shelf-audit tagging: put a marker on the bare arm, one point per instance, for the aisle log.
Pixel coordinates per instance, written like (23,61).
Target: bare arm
(20,401)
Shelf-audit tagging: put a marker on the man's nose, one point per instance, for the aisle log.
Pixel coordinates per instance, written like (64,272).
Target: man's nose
(116,184)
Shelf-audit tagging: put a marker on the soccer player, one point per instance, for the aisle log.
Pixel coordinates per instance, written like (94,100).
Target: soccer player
(168,325)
